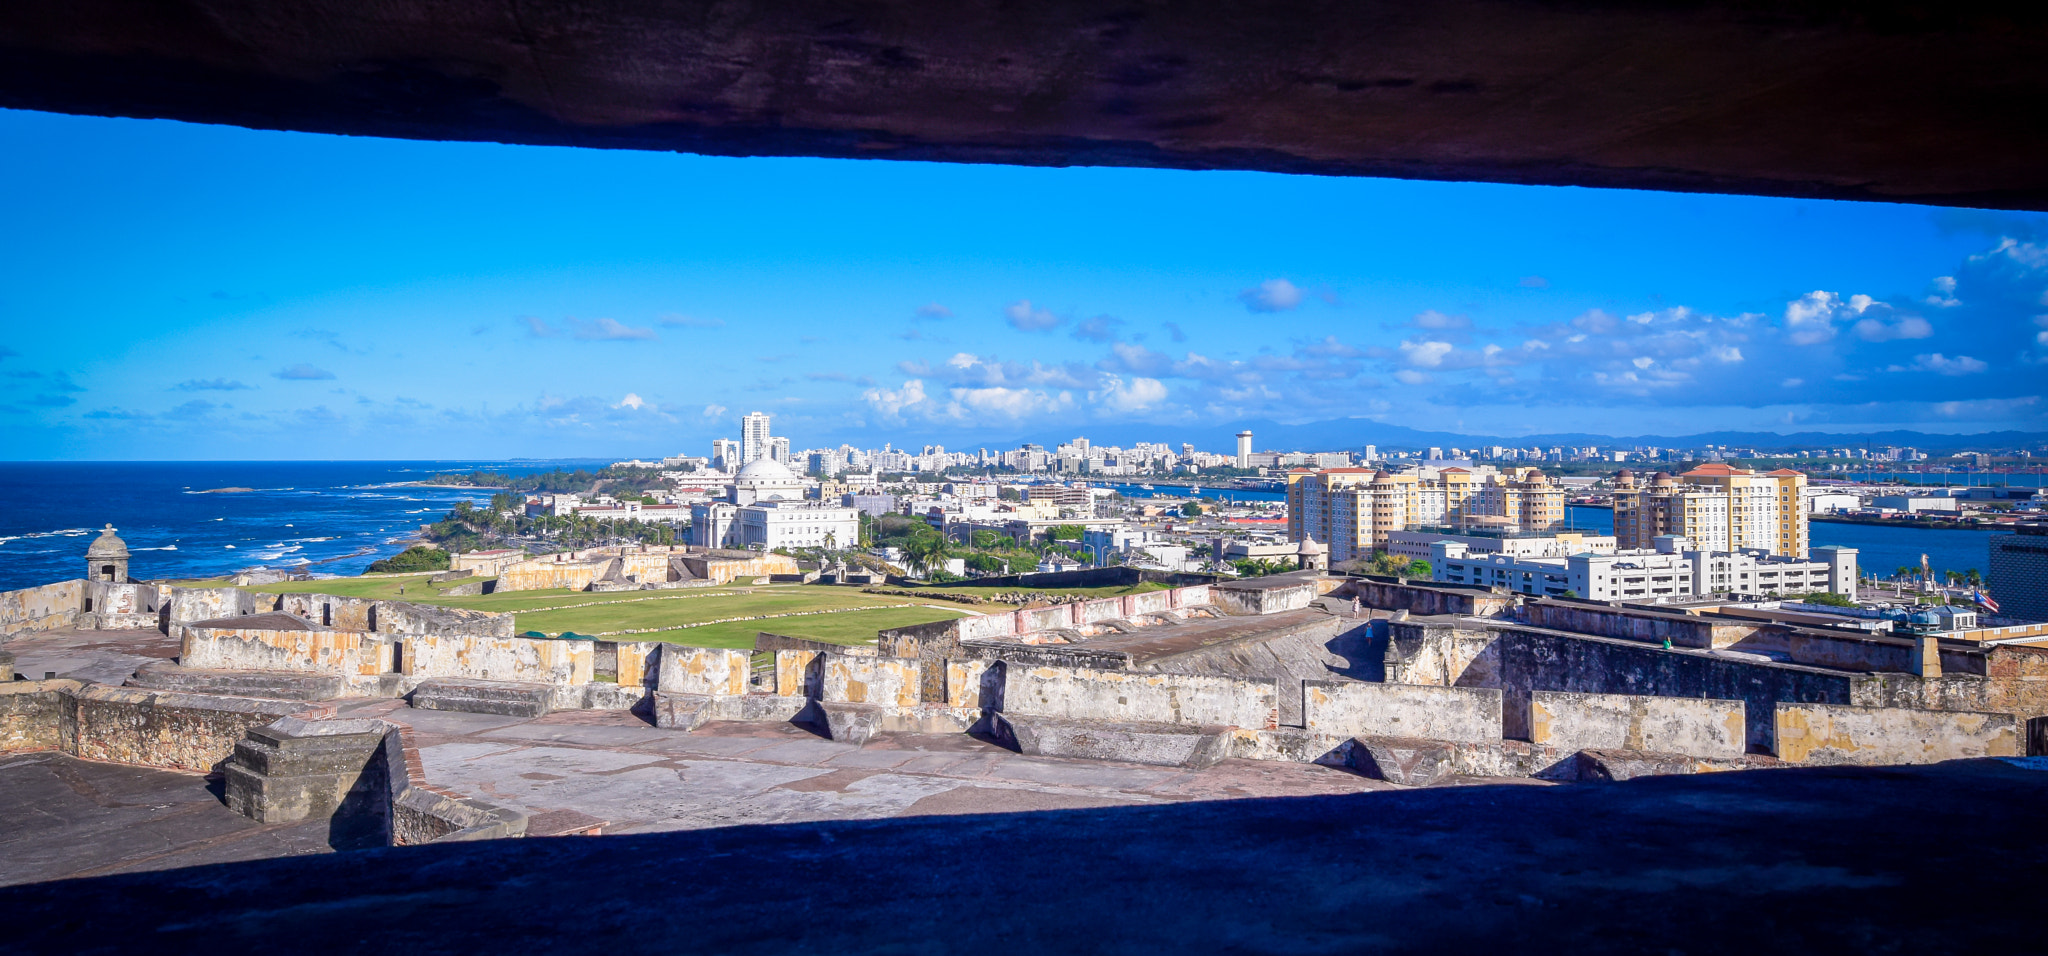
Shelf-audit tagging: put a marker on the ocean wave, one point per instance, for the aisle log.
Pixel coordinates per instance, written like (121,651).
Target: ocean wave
(63,533)
(168,547)
(309,540)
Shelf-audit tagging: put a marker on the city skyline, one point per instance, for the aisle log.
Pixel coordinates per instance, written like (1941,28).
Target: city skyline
(447,305)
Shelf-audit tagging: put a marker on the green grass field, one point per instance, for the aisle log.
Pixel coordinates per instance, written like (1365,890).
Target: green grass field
(1068,592)
(555,611)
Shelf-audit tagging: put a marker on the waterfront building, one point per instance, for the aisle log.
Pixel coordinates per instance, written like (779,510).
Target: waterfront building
(2019,572)
(1673,571)
(1718,505)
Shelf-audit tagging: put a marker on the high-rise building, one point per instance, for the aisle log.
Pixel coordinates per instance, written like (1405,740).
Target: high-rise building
(753,437)
(778,449)
(1721,507)
(1244,449)
(725,454)
(2019,572)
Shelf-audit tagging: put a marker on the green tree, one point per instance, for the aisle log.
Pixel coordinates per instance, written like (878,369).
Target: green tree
(1066,532)
(415,558)
(1191,510)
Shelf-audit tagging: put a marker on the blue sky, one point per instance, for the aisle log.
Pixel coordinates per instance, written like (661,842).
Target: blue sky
(178,291)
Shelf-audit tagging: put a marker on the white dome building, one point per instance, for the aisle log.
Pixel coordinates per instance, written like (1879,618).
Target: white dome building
(765,479)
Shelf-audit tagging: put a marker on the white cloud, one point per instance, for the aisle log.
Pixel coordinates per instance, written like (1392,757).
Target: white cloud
(609,330)
(714,411)
(1424,354)
(1272,295)
(1944,365)
(1409,376)
(1025,318)
(1810,319)
(632,401)
(1873,329)
(1136,395)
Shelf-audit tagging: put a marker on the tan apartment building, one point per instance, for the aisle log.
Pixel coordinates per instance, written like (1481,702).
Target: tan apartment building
(1718,506)
(1355,510)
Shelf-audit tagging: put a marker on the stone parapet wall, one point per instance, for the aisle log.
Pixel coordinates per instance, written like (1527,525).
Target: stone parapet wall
(887,681)
(704,671)
(172,731)
(1394,594)
(38,715)
(190,605)
(42,608)
(1358,708)
(514,659)
(1572,722)
(345,653)
(1123,697)
(1833,734)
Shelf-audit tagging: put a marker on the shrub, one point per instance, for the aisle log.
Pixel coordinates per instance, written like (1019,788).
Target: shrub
(415,558)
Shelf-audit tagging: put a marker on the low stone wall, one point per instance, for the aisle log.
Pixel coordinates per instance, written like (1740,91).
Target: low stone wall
(1122,696)
(406,617)
(1266,595)
(704,671)
(1394,594)
(347,653)
(888,681)
(1571,722)
(38,715)
(1361,709)
(168,730)
(120,607)
(517,659)
(1638,624)
(191,605)
(42,608)
(328,610)
(1831,734)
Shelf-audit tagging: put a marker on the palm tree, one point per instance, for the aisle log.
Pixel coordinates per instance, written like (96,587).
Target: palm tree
(926,552)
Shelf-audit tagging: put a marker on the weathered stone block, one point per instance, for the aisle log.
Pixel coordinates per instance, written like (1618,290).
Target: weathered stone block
(505,698)
(281,685)
(1613,765)
(1574,721)
(682,711)
(296,769)
(1166,745)
(851,723)
(174,731)
(1410,761)
(1833,734)
(1358,708)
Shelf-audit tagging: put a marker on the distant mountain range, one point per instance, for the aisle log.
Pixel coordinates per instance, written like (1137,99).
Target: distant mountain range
(1348,434)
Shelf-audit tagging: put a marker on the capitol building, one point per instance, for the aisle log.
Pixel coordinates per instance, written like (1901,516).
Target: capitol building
(771,507)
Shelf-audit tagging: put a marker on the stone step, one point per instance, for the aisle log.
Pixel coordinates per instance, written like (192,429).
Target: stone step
(281,685)
(504,698)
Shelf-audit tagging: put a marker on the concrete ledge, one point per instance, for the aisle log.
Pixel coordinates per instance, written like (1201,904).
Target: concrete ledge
(851,723)
(425,816)
(505,698)
(1166,745)
(279,685)
(1410,761)
(600,695)
(294,769)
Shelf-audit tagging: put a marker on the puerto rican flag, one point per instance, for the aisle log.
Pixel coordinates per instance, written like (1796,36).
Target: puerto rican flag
(1985,601)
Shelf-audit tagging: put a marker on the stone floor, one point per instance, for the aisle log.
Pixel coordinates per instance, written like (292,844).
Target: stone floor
(108,657)
(640,779)
(63,817)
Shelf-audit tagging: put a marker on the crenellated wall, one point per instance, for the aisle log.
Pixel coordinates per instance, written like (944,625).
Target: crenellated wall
(346,653)
(1123,696)
(471,657)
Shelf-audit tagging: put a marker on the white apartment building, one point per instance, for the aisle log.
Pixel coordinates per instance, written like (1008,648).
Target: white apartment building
(1670,573)
(1413,545)
(755,442)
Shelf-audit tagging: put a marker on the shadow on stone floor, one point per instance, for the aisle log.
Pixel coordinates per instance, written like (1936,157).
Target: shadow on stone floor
(1945,858)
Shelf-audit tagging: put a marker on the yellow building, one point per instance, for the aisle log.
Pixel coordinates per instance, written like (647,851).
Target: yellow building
(1717,506)
(1353,510)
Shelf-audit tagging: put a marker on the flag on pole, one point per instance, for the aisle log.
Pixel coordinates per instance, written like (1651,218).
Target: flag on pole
(1986,601)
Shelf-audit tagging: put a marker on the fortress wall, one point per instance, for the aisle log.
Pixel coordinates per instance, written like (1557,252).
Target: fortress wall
(1698,728)
(405,617)
(120,607)
(1252,598)
(173,731)
(704,671)
(1833,734)
(889,681)
(342,652)
(968,685)
(543,574)
(1122,696)
(470,657)
(793,673)
(1389,594)
(42,608)
(37,715)
(1360,709)
(330,610)
(639,663)
(188,605)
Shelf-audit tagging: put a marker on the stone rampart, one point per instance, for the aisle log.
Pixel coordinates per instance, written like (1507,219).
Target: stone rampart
(1122,696)
(329,610)
(514,659)
(1571,722)
(1361,709)
(545,573)
(38,715)
(171,731)
(704,671)
(1396,594)
(1832,734)
(1265,595)
(406,617)
(120,607)
(42,608)
(346,653)
(887,681)
(190,605)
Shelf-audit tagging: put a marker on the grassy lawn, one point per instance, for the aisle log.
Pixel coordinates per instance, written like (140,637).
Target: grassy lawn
(847,627)
(1070,592)
(619,615)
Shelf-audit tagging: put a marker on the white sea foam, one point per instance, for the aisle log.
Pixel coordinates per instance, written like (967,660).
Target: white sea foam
(168,547)
(62,533)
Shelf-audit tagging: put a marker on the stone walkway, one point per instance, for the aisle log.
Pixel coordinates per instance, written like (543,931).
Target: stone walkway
(613,766)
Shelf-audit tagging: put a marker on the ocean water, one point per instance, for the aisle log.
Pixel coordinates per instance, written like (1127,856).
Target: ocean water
(334,517)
